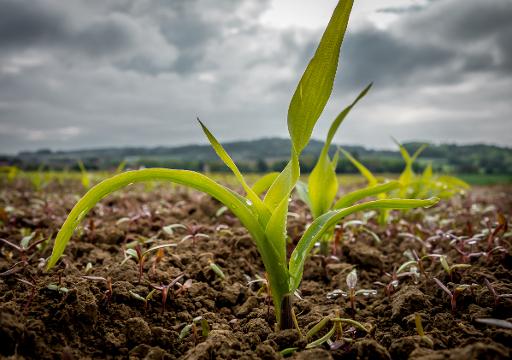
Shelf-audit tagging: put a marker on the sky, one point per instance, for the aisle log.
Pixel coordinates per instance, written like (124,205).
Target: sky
(110,73)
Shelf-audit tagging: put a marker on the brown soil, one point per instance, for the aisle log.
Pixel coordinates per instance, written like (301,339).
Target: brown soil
(86,323)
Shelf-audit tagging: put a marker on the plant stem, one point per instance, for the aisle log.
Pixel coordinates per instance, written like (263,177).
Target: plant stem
(287,312)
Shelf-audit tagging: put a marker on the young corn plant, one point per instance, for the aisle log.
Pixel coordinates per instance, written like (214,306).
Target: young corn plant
(428,184)
(265,217)
(320,192)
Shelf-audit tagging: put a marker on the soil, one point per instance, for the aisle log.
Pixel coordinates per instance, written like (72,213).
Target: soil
(83,320)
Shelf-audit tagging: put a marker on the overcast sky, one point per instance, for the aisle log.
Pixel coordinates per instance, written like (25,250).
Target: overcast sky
(96,73)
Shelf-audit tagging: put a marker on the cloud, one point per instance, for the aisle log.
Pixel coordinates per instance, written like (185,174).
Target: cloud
(119,72)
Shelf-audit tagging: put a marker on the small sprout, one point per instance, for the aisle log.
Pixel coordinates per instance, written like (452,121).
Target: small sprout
(25,247)
(33,290)
(217,270)
(192,327)
(108,283)
(140,256)
(452,294)
(88,268)
(494,294)
(165,289)
(58,288)
(192,230)
(221,211)
(449,269)
(421,332)
(288,351)
(336,328)
(145,300)
(183,287)
(352,292)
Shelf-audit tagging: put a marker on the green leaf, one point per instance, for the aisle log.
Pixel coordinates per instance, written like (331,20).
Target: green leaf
(322,186)
(236,203)
(372,180)
(315,86)
(303,193)
(284,183)
(354,196)
(328,220)
(262,210)
(264,183)
(452,181)
(339,119)
(323,339)
(276,230)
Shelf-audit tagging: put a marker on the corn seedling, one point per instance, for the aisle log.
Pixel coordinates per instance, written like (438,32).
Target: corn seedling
(421,332)
(428,184)
(352,293)
(11,172)
(266,218)
(140,256)
(452,294)
(84,176)
(192,328)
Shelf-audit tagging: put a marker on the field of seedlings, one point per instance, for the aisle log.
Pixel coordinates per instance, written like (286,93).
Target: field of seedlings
(163,272)
(160,263)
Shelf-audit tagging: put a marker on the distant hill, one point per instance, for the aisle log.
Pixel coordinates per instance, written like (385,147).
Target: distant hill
(270,154)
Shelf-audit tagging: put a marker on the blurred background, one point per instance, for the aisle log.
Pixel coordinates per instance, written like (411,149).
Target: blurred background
(119,80)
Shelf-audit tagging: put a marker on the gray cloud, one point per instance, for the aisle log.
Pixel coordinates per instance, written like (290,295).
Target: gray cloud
(113,73)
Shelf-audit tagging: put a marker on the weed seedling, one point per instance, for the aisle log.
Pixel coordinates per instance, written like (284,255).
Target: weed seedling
(449,269)
(396,275)
(145,299)
(25,247)
(193,232)
(192,327)
(352,292)
(494,294)
(265,216)
(140,256)
(164,289)
(33,289)
(452,294)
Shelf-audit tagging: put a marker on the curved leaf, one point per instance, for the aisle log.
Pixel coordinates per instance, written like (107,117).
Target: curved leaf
(328,220)
(264,183)
(236,203)
(263,211)
(372,180)
(354,196)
